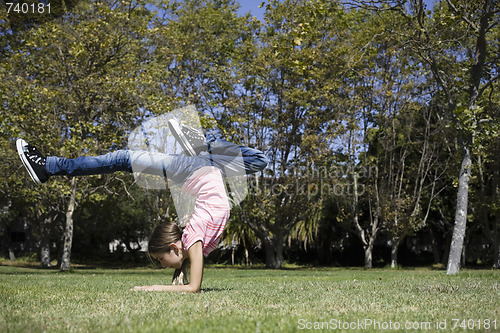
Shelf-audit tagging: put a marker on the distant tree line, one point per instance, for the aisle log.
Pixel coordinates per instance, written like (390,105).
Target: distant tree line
(380,118)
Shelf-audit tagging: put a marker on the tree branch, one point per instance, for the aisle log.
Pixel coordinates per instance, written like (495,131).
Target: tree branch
(466,20)
(489,83)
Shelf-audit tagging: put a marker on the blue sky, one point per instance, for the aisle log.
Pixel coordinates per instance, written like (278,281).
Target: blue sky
(253,6)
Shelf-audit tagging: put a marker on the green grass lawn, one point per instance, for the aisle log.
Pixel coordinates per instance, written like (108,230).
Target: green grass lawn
(250,300)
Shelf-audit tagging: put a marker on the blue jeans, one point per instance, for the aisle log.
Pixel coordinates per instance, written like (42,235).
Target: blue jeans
(230,158)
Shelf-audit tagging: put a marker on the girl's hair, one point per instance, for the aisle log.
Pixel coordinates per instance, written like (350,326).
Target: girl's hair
(163,235)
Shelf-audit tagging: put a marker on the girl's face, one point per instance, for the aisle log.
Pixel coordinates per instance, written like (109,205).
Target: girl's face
(172,259)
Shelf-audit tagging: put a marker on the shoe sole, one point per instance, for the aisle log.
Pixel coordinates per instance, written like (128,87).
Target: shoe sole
(176,131)
(20,143)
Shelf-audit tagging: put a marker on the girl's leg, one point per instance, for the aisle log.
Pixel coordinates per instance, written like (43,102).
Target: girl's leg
(229,157)
(236,157)
(90,165)
(174,167)
(232,159)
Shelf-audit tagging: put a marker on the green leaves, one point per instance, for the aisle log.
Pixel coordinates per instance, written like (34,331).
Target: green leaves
(313,85)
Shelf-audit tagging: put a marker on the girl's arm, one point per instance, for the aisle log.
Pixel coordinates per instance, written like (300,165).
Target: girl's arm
(196,274)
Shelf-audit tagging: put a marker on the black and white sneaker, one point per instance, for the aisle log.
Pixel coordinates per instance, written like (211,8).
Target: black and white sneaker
(191,140)
(33,160)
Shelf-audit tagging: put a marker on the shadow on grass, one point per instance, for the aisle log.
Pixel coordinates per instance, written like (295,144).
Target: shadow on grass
(209,290)
(33,269)
(293,268)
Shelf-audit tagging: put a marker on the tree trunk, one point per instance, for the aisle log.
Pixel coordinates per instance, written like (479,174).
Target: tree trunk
(394,251)
(247,258)
(45,243)
(270,258)
(457,240)
(12,256)
(369,255)
(279,253)
(68,232)
(45,253)
(279,241)
(464,249)
(374,229)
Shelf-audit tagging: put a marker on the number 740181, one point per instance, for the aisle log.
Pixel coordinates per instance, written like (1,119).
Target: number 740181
(28,8)
(473,324)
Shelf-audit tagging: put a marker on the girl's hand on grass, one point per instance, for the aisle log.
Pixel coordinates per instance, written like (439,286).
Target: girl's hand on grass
(196,275)
(182,288)
(149,288)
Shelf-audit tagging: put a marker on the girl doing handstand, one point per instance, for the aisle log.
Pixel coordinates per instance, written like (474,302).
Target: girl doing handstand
(200,174)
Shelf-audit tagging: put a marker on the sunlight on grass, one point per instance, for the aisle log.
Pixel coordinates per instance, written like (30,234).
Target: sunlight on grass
(240,300)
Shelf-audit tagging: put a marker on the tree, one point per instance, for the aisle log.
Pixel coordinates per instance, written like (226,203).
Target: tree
(465,28)
(365,94)
(480,77)
(456,45)
(287,109)
(193,45)
(78,75)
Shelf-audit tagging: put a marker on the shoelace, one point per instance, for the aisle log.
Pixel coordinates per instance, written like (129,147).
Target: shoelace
(34,156)
(37,160)
(192,134)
